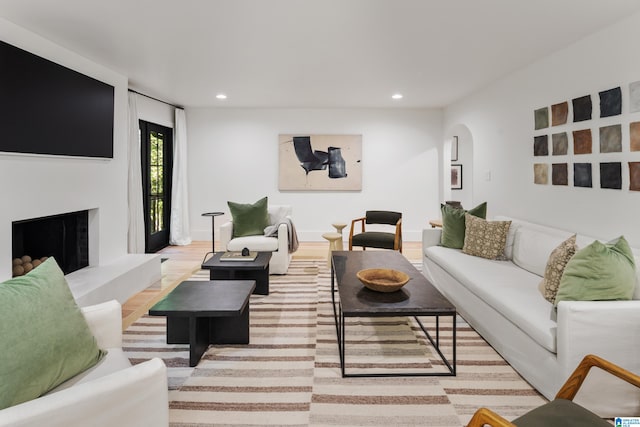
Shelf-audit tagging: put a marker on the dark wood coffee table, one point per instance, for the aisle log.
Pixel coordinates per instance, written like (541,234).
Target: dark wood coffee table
(200,313)
(257,270)
(417,298)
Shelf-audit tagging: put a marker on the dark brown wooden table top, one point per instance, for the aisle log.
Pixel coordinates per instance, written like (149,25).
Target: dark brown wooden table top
(417,298)
(205,298)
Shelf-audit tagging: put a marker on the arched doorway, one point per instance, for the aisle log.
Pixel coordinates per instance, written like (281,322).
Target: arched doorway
(457,170)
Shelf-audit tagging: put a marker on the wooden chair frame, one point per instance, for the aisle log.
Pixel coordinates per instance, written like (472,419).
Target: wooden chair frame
(568,391)
(397,241)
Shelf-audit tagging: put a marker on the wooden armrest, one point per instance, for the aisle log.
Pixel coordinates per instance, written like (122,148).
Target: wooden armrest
(353,224)
(484,416)
(572,385)
(397,242)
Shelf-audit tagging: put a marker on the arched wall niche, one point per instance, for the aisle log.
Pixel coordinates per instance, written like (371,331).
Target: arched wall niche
(461,136)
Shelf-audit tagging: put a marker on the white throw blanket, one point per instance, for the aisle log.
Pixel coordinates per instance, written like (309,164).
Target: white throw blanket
(272,230)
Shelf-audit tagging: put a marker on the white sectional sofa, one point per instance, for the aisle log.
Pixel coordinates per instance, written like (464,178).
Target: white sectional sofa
(502,302)
(112,393)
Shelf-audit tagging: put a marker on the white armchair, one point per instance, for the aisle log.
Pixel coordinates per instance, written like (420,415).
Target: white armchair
(112,393)
(278,245)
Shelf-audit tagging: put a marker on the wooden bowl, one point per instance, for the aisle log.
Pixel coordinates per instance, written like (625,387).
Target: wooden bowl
(383,279)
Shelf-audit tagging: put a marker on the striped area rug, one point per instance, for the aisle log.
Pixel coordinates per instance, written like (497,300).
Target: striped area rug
(289,374)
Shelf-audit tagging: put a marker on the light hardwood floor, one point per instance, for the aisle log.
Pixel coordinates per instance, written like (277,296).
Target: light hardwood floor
(182,261)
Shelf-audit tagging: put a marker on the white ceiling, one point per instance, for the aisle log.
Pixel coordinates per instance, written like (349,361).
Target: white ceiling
(314,53)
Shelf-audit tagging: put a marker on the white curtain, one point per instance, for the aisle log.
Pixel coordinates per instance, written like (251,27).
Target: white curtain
(180,233)
(134,193)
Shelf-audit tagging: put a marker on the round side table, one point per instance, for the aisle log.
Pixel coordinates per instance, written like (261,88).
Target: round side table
(333,244)
(339,226)
(213,216)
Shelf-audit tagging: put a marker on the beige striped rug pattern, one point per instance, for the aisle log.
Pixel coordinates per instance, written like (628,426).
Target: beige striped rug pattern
(289,374)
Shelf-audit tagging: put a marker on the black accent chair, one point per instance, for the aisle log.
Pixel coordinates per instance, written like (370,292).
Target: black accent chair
(377,239)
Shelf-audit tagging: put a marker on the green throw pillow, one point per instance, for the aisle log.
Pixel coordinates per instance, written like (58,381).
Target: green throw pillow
(453,225)
(45,337)
(249,219)
(600,271)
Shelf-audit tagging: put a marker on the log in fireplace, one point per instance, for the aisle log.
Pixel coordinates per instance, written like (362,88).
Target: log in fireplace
(64,237)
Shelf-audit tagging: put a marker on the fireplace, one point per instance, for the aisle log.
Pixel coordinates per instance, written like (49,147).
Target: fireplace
(64,237)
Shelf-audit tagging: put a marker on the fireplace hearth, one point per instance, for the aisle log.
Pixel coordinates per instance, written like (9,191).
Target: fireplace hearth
(64,237)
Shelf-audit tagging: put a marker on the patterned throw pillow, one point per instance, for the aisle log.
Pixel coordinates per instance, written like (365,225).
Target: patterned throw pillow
(483,238)
(558,260)
(453,224)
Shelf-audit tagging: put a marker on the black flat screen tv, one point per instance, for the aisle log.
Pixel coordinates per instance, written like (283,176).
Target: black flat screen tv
(46,108)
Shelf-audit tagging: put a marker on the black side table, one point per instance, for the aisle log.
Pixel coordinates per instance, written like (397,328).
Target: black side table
(213,216)
(257,270)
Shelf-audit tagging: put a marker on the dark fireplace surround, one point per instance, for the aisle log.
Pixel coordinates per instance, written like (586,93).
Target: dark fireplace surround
(64,237)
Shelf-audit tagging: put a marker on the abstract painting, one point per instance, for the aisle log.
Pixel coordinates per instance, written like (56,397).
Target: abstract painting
(582,175)
(582,141)
(541,145)
(320,162)
(541,173)
(454,149)
(559,174)
(611,102)
(559,113)
(634,97)
(541,118)
(456,177)
(582,108)
(634,136)
(560,144)
(611,139)
(611,175)
(634,176)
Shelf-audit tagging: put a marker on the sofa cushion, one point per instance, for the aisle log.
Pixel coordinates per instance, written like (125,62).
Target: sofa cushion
(277,215)
(484,238)
(600,271)
(115,360)
(255,243)
(45,337)
(507,288)
(556,264)
(453,225)
(531,248)
(249,219)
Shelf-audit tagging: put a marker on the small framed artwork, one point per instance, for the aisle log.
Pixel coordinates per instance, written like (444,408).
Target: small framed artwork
(456,177)
(454,149)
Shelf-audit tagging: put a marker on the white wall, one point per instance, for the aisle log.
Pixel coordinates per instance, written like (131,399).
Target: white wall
(157,112)
(500,119)
(34,186)
(233,155)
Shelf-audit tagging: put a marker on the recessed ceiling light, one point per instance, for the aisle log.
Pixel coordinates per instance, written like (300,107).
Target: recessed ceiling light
(396,96)
(221,96)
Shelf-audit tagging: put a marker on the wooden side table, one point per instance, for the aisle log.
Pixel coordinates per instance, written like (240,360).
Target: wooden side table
(333,244)
(435,223)
(339,226)
(200,313)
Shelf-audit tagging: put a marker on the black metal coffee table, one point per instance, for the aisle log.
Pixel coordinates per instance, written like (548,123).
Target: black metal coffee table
(257,270)
(417,298)
(200,313)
